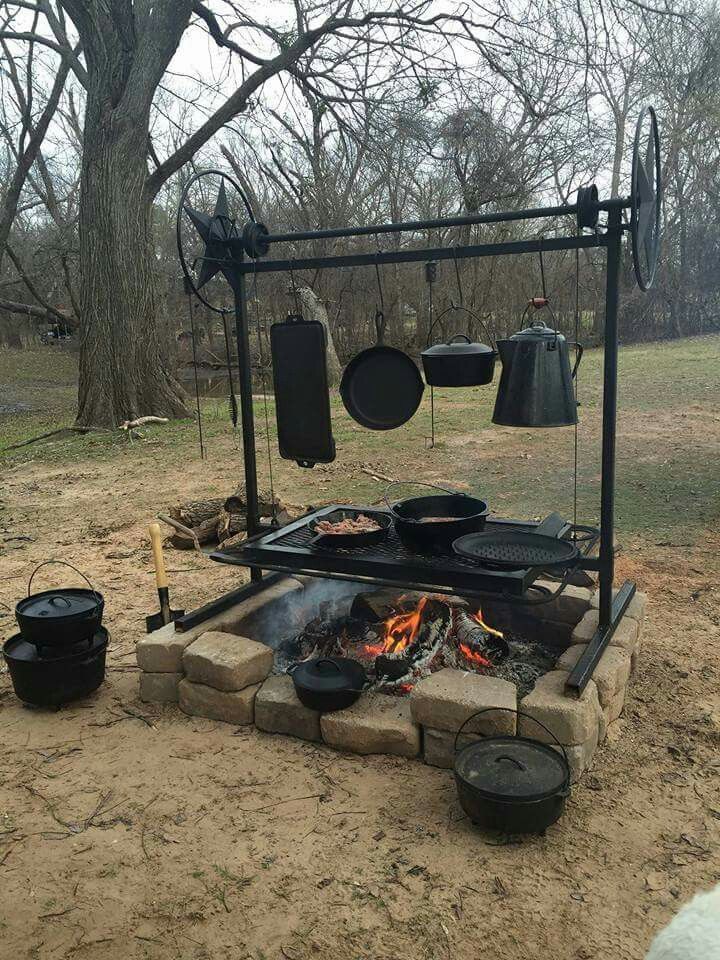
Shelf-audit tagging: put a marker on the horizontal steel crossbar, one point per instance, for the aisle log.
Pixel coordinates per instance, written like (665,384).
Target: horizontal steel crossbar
(420,256)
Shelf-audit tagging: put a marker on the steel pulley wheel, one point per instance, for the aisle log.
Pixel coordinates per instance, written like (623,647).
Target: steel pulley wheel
(205,240)
(646,198)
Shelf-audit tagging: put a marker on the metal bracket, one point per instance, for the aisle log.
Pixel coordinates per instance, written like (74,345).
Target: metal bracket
(585,667)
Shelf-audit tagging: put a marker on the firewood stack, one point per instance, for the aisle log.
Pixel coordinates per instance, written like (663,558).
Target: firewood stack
(223,520)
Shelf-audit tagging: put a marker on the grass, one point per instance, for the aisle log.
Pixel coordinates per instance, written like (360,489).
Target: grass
(667,443)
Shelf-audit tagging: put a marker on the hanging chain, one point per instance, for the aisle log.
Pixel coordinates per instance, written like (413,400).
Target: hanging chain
(261,350)
(430,276)
(292,282)
(228,361)
(576,385)
(197,386)
(457,277)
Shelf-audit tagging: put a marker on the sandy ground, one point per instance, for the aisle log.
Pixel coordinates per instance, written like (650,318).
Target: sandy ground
(162,836)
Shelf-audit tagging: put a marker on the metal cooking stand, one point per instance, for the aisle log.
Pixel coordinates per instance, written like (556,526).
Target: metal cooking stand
(256,242)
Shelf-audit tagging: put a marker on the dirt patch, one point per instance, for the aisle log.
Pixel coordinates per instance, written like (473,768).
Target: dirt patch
(133,829)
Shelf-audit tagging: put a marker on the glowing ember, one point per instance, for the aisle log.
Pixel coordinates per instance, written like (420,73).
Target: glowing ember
(473,656)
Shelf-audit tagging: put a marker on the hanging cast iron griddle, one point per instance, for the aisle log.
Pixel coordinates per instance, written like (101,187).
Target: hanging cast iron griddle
(519,549)
(302,397)
(381,387)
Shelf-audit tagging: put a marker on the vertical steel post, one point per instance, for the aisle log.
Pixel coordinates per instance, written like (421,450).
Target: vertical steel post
(609,421)
(237,280)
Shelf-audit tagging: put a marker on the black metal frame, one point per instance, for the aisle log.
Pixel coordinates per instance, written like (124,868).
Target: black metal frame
(257,242)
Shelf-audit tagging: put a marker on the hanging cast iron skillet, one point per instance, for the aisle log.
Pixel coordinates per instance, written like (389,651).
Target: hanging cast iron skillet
(46,679)
(381,387)
(514,784)
(62,616)
(460,513)
(331,540)
(328,684)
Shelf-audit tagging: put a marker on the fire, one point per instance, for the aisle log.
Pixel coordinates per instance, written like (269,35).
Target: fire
(400,631)
(473,656)
(478,618)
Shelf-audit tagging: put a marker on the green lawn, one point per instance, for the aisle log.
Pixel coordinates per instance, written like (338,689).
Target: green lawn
(668,441)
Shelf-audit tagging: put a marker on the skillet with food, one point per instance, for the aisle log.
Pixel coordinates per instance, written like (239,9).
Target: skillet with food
(349,528)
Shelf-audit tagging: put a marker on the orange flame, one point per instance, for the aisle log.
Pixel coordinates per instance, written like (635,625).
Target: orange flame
(400,631)
(473,656)
(478,618)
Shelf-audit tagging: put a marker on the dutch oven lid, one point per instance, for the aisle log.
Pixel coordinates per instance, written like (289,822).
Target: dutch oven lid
(328,674)
(538,330)
(512,768)
(464,348)
(59,604)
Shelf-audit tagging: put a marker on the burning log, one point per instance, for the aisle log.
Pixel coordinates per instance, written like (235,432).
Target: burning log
(478,642)
(378,605)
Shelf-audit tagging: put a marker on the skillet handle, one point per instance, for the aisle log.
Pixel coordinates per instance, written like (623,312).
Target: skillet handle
(380,324)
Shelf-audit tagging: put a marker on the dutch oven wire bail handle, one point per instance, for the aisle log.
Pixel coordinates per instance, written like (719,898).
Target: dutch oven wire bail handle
(419,483)
(526,716)
(64,563)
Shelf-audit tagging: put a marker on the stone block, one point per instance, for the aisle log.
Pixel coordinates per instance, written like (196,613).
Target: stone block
(446,699)
(376,723)
(439,747)
(636,608)
(278,710)
(161,651)
(266,613)
(610,675)
(230,706)
(570,606)
(613,709)
(159,687)
(626,633)
(573,720)
(226,662)
(580,757)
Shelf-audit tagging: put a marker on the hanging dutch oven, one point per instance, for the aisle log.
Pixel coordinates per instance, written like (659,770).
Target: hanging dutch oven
(328,683)
(514,784)
(62,616)
(459,361)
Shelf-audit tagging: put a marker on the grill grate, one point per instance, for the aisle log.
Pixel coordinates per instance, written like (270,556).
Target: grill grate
(388,563)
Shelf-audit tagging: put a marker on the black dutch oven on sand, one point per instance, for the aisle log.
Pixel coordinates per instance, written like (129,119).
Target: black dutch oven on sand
(61,616)
(53,679)
(328,683)
(59,654)
(512,784)
(432,520)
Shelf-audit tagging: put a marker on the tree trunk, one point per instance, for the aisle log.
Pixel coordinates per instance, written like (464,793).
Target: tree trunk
(124,370)
(315,310)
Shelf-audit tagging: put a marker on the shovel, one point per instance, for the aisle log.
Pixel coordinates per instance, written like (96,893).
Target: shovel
(166,615)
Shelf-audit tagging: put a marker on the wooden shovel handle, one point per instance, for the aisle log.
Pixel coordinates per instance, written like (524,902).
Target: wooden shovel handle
(157,552)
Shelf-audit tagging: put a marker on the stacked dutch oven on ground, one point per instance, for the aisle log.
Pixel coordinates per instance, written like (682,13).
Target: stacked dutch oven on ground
(59,654)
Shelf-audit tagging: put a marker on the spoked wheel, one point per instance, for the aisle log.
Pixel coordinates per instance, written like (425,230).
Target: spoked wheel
(646,198)
(209,231)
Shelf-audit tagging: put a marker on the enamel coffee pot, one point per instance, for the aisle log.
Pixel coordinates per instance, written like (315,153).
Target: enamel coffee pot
(536,384)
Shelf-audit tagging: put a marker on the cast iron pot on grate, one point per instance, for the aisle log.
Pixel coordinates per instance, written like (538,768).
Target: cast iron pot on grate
(430,521)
